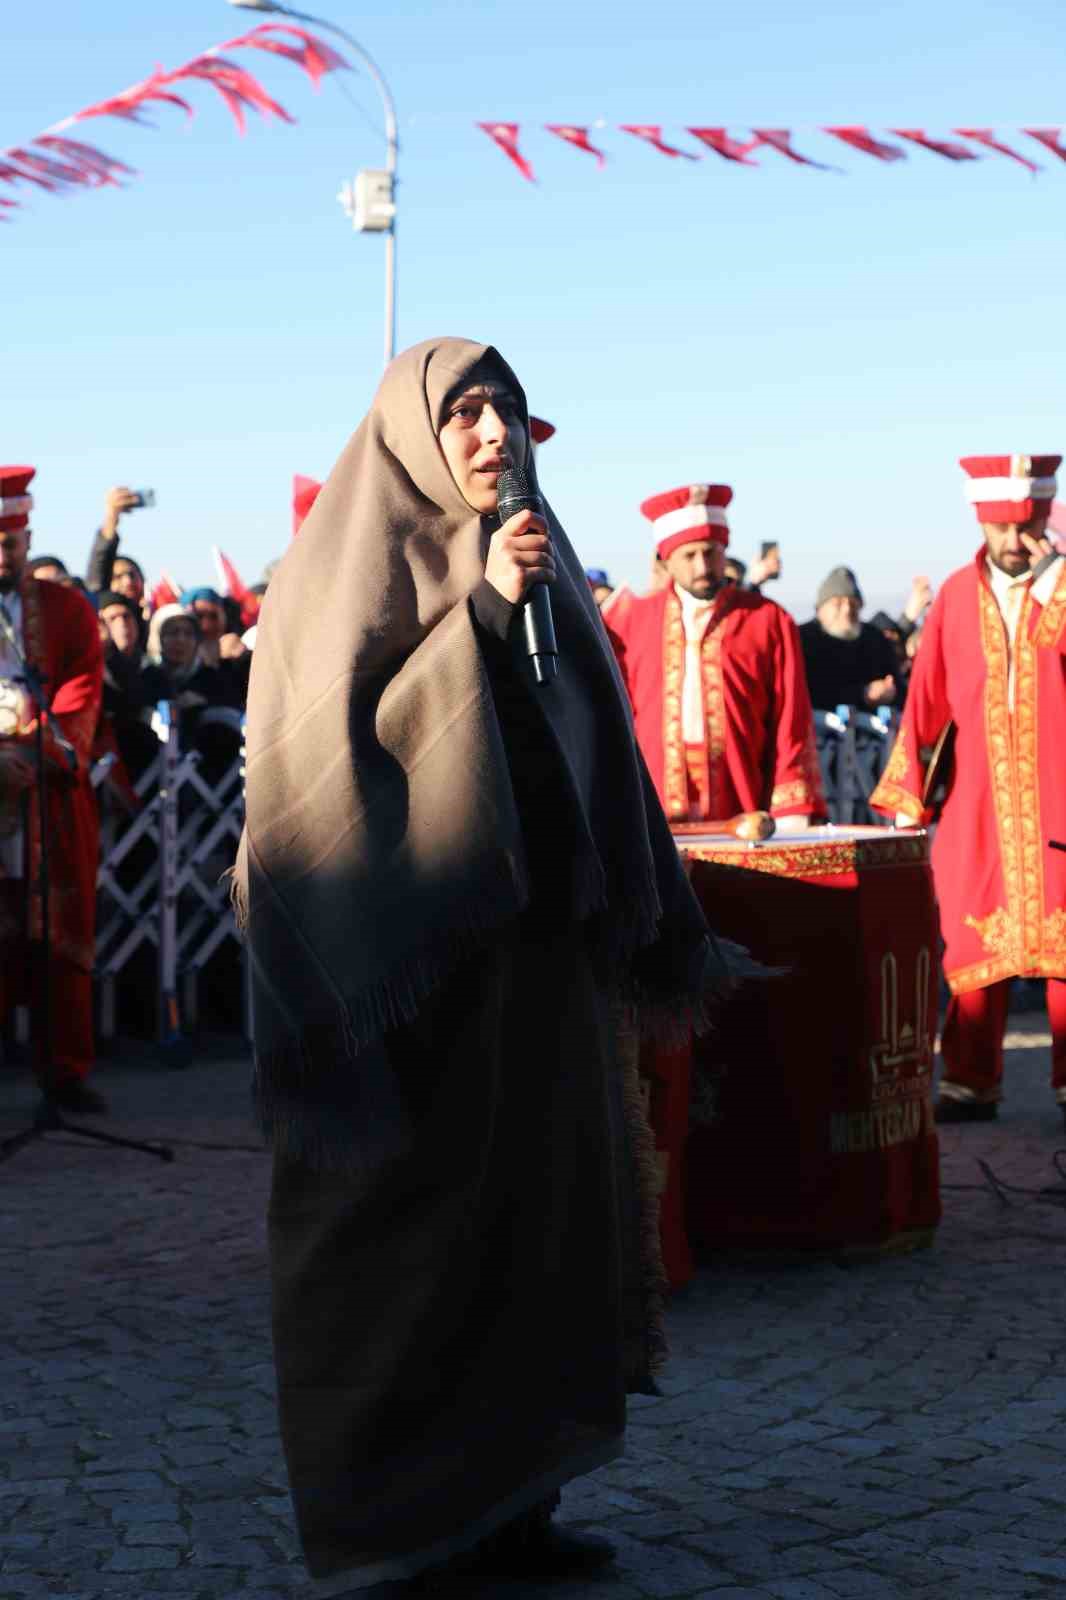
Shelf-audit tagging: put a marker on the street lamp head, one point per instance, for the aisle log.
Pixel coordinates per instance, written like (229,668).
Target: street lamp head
(256,5)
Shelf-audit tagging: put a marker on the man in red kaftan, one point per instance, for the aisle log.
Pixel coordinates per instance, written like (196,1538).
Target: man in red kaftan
(992,661)
(55,630)
(715,676)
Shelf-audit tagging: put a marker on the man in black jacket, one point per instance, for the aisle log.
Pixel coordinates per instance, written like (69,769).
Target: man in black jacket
(849,662)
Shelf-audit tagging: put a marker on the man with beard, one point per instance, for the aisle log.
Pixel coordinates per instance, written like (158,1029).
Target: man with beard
(55,630)
(849,662)
(993,666)
(715,676)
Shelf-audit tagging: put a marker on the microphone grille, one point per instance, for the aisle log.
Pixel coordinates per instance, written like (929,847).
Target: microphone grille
(513,493)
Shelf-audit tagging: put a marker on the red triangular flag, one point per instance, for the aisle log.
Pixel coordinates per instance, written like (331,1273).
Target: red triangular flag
(578,137)
(987,137)
(305,492)
(165,593)
(229,578)
(939,147)
(781,139)
(862,139)
(651,133)
(505,134)
(1049,137)
(719,141)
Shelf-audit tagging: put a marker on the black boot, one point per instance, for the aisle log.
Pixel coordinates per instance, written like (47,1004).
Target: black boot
(947,1110)
(533,1546)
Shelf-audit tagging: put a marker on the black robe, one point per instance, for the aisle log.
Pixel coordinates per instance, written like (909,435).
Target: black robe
(455,1332)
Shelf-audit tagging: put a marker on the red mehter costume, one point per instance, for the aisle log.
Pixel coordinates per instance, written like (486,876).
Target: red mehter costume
(993,662)
(718,689)
(59,636)
(723,717)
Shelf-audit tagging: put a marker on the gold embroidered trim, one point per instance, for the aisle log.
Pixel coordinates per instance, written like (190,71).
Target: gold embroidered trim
(675,770)
(798,792)
(714,711)
(814,859)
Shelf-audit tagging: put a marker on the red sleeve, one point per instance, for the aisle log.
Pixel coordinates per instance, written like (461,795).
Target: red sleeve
(77,684)
(797,780)
(925,717)
(615,614)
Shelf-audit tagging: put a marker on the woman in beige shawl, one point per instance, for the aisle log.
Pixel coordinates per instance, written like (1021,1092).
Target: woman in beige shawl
(451,880)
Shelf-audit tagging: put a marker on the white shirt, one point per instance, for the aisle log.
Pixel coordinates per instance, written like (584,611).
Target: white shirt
(1008,594)
(694,616)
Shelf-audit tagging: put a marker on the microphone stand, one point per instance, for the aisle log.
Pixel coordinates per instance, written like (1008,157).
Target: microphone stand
(48,1118)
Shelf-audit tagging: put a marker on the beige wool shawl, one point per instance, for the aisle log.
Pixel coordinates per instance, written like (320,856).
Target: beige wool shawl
(382,842)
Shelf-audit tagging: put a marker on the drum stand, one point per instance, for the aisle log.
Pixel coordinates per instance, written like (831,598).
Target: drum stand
(48,1118)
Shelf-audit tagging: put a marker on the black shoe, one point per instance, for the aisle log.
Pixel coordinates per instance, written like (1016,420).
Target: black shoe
(75,1096)
(542,1551)
(965,1110)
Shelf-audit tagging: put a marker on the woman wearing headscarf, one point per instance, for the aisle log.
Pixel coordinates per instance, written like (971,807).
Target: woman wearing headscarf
(451,881)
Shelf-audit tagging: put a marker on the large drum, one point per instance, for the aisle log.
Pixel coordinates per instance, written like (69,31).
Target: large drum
(822,1133)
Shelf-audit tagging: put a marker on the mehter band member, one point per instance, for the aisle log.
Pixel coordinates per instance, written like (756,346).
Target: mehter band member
(55,629)
(715,674)
(992,664)
(447,874)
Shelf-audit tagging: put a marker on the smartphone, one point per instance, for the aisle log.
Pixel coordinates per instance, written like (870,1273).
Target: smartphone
(143,497)
(766,546)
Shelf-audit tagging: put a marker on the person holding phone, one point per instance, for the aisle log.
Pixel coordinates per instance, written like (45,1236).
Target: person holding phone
(993,665)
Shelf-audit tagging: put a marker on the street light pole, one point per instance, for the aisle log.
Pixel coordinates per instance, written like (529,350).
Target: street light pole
(385,206)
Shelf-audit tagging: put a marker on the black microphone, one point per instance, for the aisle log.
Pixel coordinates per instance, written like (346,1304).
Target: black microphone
(513,494)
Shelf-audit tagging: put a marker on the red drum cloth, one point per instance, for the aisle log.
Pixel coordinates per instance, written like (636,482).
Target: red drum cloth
(823,1133)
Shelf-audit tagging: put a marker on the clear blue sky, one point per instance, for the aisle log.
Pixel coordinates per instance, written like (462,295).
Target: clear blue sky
(827,344)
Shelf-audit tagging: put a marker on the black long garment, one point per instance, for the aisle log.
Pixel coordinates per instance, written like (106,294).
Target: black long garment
(453,1332)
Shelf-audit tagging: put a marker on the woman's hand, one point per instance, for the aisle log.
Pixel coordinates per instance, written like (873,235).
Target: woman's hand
(520,555)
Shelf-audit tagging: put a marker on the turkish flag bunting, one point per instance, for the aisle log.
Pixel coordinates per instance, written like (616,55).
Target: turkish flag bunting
(236,86)
(578,137)
(939,147)
(719,141)
(862,139)
(97,167)
(131,102)
(1049,137)
(505,134)
(652,134)
(315,57)
(781,139)
(987,137)
(305,491)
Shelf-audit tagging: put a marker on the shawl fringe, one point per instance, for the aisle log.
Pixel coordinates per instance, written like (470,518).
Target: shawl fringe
(646,1364)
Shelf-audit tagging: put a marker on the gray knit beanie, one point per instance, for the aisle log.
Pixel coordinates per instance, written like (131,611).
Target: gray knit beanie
(841,581)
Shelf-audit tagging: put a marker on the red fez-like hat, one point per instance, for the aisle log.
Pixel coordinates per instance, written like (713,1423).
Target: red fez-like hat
(694,514)
(305,491)
(1010,488)
(15,503)
(540,430)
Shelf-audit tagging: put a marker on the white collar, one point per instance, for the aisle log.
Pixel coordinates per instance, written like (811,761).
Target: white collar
(1044,587)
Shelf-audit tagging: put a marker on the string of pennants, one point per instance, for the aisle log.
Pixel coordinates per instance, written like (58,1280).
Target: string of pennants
(740,150)
(59,164)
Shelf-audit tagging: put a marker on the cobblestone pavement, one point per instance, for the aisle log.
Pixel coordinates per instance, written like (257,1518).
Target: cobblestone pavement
(879,1429)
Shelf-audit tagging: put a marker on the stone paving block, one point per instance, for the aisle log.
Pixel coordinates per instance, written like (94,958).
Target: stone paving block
(157,1533)
(153,1559)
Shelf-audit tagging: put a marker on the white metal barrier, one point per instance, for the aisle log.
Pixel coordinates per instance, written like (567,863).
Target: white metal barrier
(161,879)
